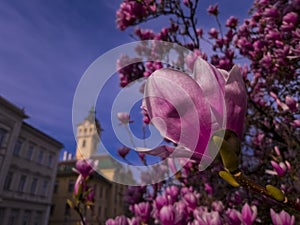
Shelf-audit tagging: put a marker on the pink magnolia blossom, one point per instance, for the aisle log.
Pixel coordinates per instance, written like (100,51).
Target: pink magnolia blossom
(188,111)
(249,214)
(213,10)
(280,168)
(291,103)
(282,218)
(91,196)
(123,151)
(85,167)
(78,187)
(167,215)
(208,218)
(143,210)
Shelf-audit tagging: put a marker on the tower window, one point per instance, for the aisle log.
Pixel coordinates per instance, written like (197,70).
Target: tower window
(83,143)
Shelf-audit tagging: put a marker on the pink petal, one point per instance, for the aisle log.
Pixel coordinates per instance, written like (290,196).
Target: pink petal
(177,108)
(212,82)
(236,101)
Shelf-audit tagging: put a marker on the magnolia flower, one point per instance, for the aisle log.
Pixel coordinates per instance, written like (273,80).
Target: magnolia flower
(79,186)
(85,167)
(143,210)
(167,215)
(91,195)
(280,168)
(123,151)
(124,117)
(249,214)
(189,110)
(282,218)
(246,217)
(208,218)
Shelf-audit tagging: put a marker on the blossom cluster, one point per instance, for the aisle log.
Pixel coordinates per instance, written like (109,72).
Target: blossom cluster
(182,205)
(269,39)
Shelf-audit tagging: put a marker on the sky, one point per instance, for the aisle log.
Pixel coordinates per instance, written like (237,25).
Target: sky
(46,46)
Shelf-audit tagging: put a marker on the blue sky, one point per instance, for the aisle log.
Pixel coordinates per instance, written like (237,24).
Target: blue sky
(46,46)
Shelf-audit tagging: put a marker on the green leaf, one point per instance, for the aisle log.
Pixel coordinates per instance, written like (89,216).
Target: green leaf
(70,203)
(229,178)
(276,193)
(228,155)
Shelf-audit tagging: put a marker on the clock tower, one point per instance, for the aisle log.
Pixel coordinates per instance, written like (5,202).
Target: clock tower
(88,136)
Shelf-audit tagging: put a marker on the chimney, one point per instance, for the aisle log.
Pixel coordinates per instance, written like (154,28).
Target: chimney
(70,156)
(65,156)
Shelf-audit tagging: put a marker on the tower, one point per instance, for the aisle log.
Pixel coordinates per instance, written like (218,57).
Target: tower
(88,136)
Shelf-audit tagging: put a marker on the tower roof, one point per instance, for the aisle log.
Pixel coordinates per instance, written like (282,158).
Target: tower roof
(92,118)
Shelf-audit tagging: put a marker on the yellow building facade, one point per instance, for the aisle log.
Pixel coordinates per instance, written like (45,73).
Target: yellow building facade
(108,195)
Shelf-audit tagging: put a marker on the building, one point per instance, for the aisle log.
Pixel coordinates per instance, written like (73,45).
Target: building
(108,195)
(28,162)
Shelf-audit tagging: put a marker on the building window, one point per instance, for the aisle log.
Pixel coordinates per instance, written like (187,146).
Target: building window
(2,211)
(100,191)
(40,156)
(13,217)
(67,209)
(52,210)
(29,152)
(71,186)
(38,218)
(22,183)
(56,185)
(50,160)
(100,211)
(83,143)
(1,160)
(8,180)
(26,217)
(33,186)
(18,147)
(44,188)
(2,136)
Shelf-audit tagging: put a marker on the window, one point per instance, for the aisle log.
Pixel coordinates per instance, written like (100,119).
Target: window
(33,186)
(50,160)
(100,192)
(52,210)
(38,218)
(2,136)
(2,211)
(71,186)
(100,211)
(83,143)
(18,147)
(40,156)
(13,217)
(26,217)
(1,160)
(29,152)
(8,180)
(56,185)
(22,183)
(44,188)
(67,209)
